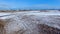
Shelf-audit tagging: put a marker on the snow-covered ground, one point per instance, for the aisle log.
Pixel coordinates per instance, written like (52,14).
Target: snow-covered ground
(28,21)
(36,13)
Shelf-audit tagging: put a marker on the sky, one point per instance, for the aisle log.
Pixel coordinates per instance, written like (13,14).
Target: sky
(29,4)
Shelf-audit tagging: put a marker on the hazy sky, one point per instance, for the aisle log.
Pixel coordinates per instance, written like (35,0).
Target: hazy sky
(40,4)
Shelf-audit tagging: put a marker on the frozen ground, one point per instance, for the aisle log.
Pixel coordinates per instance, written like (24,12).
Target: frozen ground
(37,14)
(29,20)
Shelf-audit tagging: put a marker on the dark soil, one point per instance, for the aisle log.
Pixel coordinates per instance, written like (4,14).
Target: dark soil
(45,29)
